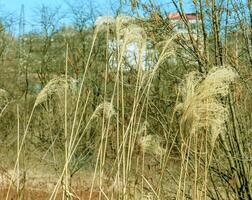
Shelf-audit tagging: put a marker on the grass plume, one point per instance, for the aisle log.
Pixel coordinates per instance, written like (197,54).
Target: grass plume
(55,86)
(201,101)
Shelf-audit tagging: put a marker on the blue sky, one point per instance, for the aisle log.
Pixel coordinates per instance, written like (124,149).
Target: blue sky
(30,6)
(14,5)
(103,6)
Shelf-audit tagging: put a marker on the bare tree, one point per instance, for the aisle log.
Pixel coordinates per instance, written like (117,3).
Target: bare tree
(48,24)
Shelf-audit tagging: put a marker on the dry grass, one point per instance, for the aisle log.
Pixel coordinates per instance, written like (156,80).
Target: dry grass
(115,121)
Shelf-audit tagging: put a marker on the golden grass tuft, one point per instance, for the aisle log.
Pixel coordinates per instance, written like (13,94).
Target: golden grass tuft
(104,22)
(201,104)
(3,95)
(106,108)
(150,144)
(55,86)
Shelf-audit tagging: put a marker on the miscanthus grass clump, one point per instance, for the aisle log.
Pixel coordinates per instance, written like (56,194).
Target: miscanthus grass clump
(202,103)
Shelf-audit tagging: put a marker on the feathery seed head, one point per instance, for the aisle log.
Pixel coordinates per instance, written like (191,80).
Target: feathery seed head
(4,98)
(106,108)
(123,20)
(3,94)
(150,144)
(134,34)
(201,105)
(143,128)
(217,81)
(104,22)
(55,86)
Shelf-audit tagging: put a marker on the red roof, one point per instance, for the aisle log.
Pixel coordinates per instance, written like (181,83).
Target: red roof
(176,16)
